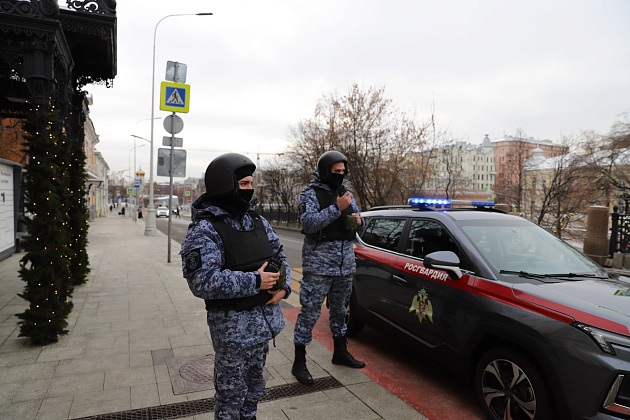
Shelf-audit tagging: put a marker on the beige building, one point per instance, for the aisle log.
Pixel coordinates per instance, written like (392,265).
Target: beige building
(97,183)
(465,169)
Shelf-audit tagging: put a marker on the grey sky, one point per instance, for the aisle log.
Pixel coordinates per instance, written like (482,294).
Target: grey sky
(548,67)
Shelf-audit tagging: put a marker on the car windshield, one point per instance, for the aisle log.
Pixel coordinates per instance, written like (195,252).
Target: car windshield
(527,249)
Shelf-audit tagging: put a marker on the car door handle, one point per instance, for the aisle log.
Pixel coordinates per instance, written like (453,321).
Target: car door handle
(399,280)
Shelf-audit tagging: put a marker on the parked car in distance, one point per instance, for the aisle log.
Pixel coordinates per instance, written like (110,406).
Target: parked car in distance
(542,331)
(161,211)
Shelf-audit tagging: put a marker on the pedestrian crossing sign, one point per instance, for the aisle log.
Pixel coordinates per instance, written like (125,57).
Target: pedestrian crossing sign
(174,97)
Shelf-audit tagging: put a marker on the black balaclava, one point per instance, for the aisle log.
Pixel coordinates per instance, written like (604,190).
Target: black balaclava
(334,181)
(238,201)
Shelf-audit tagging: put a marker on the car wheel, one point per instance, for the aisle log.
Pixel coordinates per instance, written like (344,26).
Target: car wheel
(354,326)
(509,385)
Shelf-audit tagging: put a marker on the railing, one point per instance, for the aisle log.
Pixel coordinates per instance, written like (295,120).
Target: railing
(619,233)
(279,215)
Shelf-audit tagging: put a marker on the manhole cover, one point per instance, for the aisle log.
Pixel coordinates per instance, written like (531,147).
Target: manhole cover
(191,374)
(200,370)
(194,373)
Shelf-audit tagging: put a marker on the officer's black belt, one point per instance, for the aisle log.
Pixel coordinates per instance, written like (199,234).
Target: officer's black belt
(238,304)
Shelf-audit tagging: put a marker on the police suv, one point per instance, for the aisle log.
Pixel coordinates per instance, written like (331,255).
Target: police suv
(542,330)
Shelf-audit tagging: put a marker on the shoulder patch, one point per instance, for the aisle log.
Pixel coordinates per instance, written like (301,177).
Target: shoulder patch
(193,259)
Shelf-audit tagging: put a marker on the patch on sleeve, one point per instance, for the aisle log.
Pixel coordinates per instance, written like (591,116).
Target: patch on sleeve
(193,259)
(301,208)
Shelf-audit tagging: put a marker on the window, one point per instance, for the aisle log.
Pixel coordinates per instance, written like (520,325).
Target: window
(426,236)
(384,233)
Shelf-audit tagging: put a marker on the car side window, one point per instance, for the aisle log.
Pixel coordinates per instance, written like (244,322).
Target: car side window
(383,233)
(426,236)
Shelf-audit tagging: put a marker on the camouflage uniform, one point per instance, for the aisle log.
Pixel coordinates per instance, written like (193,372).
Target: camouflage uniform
(327,266)
(240,339)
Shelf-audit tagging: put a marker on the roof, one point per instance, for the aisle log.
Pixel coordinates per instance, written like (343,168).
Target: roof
(454,213)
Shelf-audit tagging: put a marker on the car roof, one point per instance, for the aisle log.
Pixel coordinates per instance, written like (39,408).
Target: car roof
(455,214)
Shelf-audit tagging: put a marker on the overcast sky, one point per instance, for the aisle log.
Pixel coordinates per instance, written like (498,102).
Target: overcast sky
(552,68)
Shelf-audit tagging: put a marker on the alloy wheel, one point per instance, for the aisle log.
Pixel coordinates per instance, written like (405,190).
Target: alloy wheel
(507,391)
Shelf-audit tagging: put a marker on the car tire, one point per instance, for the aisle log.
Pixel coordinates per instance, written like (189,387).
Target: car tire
(354,326)
(497,392)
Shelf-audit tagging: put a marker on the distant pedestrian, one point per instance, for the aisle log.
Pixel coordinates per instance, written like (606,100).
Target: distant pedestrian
(224,256)
(122,211)
(177,212)
(110,208)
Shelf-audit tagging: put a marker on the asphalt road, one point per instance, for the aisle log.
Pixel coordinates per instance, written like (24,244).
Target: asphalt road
(433,390)
(291,240)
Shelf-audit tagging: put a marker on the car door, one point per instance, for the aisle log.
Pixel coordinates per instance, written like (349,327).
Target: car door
(426,303)
(375,257)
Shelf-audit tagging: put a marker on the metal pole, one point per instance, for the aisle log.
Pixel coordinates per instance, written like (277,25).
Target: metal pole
(135,192)
(134,159)
(170,185)
(150,227)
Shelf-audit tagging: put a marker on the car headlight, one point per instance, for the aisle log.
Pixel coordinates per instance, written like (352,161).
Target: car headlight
(602,338)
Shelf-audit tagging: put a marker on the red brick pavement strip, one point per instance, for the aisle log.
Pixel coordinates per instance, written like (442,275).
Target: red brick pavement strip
(419,382)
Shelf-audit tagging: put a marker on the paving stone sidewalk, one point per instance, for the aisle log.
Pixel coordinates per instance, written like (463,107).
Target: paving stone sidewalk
(138,342)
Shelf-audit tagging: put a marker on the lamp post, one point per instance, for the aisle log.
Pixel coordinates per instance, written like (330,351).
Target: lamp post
(134,159)
(132,174)
(134,165)
(150,228)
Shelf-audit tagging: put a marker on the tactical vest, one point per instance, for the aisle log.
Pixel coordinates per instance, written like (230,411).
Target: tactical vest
(245,250)
(334,231)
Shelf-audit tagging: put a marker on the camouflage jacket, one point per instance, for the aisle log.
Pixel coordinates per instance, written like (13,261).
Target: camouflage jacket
(206,280)
(326,258)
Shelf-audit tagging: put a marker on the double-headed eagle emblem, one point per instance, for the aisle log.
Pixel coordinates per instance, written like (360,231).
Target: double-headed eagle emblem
(421,305)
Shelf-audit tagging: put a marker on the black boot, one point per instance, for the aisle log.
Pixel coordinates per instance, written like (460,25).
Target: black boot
(341,355)
(299,369)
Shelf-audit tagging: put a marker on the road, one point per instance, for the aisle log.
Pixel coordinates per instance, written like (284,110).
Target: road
(291,240)
(433,390)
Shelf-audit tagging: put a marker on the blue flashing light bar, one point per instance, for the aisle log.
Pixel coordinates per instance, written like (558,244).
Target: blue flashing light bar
(428,202)
(482,203)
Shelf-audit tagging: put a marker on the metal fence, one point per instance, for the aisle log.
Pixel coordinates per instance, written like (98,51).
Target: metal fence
(620,232)
(280,215)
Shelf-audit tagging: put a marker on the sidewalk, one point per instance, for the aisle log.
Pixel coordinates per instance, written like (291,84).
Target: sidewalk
(138,347)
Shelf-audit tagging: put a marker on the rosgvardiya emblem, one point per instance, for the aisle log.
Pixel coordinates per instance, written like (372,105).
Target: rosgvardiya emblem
(421,305)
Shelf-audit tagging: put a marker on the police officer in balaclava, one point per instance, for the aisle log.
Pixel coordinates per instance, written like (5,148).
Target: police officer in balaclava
(224,256)
(329,217)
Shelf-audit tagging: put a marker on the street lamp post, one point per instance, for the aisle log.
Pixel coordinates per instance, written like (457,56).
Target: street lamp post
(134,159)
(150,227)
(134,165)
(132,174)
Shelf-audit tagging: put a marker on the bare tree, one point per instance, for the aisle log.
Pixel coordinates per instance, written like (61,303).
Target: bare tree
(279,184)
(559,189)
(511,190)
(613,157)
(453,180)
(380,143)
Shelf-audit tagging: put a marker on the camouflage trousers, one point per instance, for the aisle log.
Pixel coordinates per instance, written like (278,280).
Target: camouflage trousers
(239,381)
(313,291)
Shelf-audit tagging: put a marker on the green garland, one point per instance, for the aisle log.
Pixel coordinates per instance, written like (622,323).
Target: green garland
(78,212)
(45,268)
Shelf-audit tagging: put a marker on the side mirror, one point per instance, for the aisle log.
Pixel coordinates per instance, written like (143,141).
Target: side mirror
(444,260)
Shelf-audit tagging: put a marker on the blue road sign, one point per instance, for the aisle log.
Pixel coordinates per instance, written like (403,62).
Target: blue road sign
(174,97)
